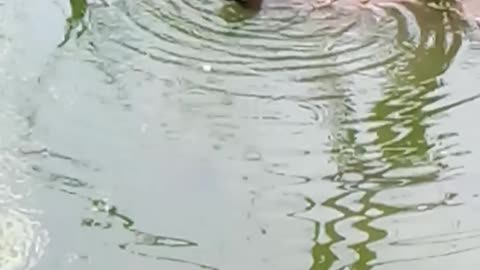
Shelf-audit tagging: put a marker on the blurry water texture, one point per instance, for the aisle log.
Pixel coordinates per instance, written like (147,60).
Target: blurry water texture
(193,134)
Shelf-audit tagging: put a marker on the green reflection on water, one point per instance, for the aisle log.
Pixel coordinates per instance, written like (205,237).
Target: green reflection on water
(233,12)
(399,126)
(412,84)
(77,20)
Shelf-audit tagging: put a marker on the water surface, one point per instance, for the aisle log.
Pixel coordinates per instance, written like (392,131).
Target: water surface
(194,135)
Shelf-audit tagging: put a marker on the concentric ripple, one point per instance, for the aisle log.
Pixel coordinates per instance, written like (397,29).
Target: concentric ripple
(328,42)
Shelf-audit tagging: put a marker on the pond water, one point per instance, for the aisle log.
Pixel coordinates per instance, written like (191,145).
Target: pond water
(148,134)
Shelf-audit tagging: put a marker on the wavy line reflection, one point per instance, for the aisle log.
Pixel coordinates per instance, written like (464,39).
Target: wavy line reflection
(103,215)
(386,148)
(390,147)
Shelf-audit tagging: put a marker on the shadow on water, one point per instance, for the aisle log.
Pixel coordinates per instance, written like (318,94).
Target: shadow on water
(398,144)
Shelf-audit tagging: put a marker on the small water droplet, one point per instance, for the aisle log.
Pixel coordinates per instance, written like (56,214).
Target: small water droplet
(45,154)
(422,207)
(207,68)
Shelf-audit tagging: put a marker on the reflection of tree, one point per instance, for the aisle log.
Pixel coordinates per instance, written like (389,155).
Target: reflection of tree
(78,19)
(78,10)
(322,253)
(398,129)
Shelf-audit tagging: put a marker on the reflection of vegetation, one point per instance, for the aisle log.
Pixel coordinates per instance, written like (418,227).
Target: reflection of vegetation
(141,238)
(128,224)
(105,216)
(323,255)
(77,20)
(233,12)
(398,132)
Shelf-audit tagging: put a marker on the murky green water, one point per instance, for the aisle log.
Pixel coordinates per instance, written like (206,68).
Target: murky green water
(147,134)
